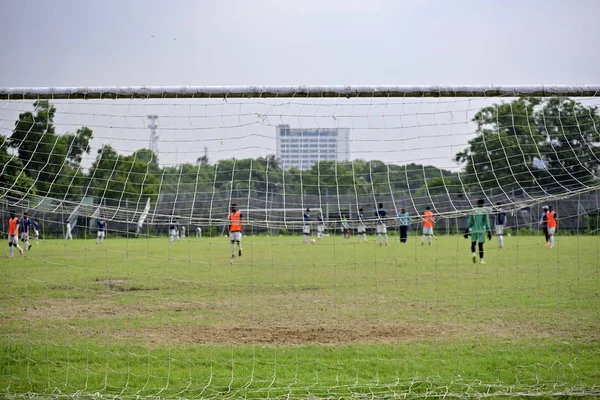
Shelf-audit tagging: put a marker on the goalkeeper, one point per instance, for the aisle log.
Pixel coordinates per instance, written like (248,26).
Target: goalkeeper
(478,226)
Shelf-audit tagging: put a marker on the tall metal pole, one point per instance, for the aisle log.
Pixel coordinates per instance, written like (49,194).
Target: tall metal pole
(153,134)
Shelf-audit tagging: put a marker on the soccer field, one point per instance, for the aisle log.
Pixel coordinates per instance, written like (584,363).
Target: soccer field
(335,319)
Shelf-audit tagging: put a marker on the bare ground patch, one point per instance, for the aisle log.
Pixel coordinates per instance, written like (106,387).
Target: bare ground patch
(274,325)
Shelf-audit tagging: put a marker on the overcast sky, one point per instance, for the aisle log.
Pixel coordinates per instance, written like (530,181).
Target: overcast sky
(325,42)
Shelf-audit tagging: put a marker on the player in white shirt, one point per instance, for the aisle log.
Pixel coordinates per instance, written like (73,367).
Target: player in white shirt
(321,227)
(69,236)
(306,226)
(172,230)
(36,230)
(198,232)
(361,228)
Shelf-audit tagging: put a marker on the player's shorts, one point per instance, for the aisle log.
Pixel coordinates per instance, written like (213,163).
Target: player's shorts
(25,236)
(321,228)
(36,233)
(499,229)
(551,231)
(13,239)
(306,229)
(428,230)
(235,236)
(101,234)
(361,228)
(173,232)
(381,228)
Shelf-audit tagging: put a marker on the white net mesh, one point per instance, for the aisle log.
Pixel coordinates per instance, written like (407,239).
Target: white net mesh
(133,285)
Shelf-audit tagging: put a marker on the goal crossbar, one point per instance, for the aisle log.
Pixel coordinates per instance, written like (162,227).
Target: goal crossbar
(163,92)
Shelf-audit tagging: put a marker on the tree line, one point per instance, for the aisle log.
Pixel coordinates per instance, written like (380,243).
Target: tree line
(550,144)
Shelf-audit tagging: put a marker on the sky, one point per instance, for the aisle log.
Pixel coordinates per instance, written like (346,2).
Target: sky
(334,42)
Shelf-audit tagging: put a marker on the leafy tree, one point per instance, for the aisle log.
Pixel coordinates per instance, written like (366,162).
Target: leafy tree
(572,145)
(533,144)
(47,158)
(13,181)
(116,177)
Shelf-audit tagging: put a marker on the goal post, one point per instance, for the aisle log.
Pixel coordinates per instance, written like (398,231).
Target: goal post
(181,92)
(359,265)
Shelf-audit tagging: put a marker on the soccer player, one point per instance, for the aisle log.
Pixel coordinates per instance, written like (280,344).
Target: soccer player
(36,230)
(361,228)
(478,226)
(321,227)
(101,230)
(198,232)
(69,236)
(172,230)
(13,234)
(381,213)
(235,230)
(404,220)
(544,224)
(345,227)
(306,226)
(500,224)
(427,225)
(26,231)
(551,221)
(182,232)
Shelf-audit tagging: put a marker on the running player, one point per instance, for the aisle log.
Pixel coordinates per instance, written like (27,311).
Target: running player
(26,231)
(13,234)
(36,230)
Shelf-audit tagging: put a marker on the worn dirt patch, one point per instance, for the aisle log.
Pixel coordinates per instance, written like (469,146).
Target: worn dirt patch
(283,325)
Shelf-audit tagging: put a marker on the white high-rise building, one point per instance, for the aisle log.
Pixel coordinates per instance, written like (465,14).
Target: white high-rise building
(303,147)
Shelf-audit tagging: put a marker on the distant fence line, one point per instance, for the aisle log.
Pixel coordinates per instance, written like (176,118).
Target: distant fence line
(577,213)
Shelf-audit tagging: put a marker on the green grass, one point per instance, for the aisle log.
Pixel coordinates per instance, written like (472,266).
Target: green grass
(138,317)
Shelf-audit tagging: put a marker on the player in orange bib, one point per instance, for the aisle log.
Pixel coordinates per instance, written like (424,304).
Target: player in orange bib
(427,225)
(235,230)
(551,221)
(13,234)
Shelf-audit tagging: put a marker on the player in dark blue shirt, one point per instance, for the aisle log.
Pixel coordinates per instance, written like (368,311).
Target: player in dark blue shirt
(381,215)
(26,230)
(306,226)
(500,224)
(101,230)
(36,230)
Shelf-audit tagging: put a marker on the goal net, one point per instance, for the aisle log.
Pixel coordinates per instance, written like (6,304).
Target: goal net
(270,242)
